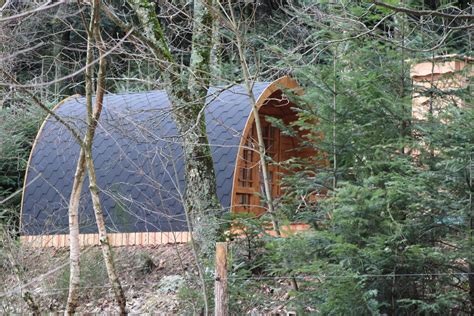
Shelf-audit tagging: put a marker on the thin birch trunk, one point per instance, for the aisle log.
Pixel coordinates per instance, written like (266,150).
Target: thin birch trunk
(85,160)
(103,238)
(93,115)
(74,247)
(258,124)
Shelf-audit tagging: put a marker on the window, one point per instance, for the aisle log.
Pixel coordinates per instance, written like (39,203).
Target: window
(268,132)
(243,200)
(246,177)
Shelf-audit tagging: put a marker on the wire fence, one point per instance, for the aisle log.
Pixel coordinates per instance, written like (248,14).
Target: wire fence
(309,278)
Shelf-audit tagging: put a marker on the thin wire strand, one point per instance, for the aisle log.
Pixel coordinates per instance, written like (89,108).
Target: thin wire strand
(256,278)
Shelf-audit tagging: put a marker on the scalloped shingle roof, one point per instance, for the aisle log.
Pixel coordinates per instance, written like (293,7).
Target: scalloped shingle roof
(138,159)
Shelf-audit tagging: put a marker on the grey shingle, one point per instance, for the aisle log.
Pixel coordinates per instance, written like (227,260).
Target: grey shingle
(139,164)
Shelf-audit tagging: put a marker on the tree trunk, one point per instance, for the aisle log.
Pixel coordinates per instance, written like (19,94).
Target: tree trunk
(103,239)
(216,60)
(93,115)
(258,126)
(221,307)
(187,90)
(201,198)
(74,247)
(86,160)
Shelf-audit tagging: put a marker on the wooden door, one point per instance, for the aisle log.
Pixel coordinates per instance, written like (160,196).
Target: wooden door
(249,179)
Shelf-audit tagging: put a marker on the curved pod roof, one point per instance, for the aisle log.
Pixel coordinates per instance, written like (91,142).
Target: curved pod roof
(138,157)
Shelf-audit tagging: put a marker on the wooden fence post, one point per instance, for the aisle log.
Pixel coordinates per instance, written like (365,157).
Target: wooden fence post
(220,286)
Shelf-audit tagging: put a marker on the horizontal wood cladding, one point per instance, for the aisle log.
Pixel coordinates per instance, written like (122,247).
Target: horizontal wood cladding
(443,75)
(422,71)
(115,239)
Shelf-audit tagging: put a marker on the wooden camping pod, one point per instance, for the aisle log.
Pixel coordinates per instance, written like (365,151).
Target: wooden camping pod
(140,168)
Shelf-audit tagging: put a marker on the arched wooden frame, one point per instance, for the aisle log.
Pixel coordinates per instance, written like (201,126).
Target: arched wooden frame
(248,192)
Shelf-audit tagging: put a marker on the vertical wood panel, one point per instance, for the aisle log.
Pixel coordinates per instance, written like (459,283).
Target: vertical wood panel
(173,237)
(55,240)
(37,241)
(115,239)
(44,241)
(112,239)
(61,242)
(66,240)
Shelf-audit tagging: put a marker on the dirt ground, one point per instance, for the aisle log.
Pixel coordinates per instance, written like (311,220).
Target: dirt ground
(156,280)
(151,277)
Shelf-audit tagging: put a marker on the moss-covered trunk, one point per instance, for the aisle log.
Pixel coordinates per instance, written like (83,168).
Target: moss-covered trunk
(187,88)
(201,197)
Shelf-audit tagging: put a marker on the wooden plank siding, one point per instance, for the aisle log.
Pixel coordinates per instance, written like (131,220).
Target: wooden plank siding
(115,239)
(445,75)
(137,239)
(285,230)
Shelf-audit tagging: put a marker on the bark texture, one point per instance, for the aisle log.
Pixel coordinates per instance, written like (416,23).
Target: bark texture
(221,306)
(74,248)
(187,89)
(93,115)
(86,160)
(103,239)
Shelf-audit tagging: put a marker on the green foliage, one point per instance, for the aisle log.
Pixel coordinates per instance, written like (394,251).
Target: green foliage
(18,128)
(190,299)
(94,279)
(17,131)
(392,235)
(146,265)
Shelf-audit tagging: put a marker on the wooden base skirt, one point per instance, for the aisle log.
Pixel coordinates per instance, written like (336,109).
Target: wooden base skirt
(115,239)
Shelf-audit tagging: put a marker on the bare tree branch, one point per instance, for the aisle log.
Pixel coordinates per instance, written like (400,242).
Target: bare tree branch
(424,12)
(69,127)
(46,6)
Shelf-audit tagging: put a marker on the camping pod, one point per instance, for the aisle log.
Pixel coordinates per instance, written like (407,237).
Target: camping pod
(140,168)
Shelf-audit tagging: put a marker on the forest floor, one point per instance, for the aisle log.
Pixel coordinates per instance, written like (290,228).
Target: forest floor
(151,277)
(156,280)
